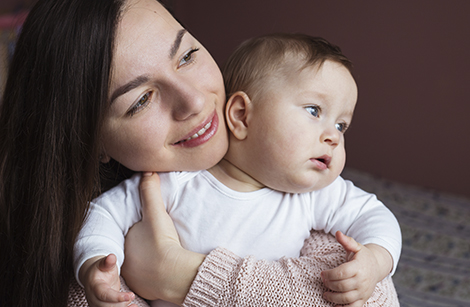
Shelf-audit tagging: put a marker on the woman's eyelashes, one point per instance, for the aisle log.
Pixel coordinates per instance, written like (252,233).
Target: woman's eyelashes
(141,104)
(145,99)
(188,57)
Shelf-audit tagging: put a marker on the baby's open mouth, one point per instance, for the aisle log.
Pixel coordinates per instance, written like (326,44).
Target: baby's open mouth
(324,159)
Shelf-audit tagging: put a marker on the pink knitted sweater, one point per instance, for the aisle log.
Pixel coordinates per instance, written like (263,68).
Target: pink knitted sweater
(225,279)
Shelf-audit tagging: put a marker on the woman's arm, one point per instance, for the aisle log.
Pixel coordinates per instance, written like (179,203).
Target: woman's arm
(156,266)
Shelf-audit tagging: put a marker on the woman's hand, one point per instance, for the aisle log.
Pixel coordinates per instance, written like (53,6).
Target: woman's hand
(156,266)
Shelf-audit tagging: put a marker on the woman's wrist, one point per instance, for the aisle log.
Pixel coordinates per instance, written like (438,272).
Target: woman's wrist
(184,267)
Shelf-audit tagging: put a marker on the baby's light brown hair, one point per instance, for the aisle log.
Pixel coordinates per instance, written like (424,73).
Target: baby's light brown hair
(258,60)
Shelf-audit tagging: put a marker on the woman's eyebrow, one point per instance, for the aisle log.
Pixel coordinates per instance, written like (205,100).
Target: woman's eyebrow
(134,83)
(143,79)
(177,42)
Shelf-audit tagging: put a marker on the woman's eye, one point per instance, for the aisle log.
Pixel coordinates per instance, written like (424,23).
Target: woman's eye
(188,57)
(313,110)
(341,127)
(140,104)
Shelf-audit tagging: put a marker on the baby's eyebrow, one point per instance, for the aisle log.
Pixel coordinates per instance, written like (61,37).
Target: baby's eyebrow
(177,42)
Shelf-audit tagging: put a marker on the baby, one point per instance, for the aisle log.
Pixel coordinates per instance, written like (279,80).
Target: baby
(291,99)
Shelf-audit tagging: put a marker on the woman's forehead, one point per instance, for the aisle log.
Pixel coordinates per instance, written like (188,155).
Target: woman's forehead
(145,24)
(146,15)
(146,39)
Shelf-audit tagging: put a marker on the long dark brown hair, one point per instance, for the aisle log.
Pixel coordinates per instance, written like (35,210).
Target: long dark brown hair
(50,117)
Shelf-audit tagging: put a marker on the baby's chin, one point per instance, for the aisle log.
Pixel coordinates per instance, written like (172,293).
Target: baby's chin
(297,186)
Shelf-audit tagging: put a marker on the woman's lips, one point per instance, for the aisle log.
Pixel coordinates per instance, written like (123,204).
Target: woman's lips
(201,134)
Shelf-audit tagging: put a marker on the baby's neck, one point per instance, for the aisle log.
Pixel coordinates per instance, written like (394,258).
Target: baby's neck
(234,178)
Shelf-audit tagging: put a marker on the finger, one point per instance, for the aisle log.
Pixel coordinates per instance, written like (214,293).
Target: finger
(345,285)
(107,263)
(154,213)
(344,271)
(150,196)
(348,243)
(343,298)
(104,293)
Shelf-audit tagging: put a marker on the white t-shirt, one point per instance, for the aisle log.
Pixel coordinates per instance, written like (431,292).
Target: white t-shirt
(265,223)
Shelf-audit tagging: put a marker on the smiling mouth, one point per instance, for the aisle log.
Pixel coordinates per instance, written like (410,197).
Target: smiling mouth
(201,134)
(197,134)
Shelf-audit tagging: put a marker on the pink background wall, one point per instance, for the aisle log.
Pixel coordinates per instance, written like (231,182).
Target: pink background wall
(9,6)
(412,66)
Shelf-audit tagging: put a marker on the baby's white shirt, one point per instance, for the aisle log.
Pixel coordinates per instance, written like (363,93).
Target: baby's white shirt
(265,223)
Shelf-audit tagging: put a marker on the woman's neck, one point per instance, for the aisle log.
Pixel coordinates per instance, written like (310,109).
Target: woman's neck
(234,178)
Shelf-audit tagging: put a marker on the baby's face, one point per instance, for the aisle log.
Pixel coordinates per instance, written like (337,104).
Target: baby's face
(296,131)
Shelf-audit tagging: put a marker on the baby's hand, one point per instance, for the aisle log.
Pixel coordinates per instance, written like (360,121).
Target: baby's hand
(353,282)
(102,284)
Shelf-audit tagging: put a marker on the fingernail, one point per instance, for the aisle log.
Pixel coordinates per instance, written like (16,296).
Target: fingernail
(147,174)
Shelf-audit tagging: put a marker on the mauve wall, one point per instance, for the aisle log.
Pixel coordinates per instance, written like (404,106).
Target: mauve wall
(9,6)
(412,66)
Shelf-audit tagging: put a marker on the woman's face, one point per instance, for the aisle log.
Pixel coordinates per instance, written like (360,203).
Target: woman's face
(167,96)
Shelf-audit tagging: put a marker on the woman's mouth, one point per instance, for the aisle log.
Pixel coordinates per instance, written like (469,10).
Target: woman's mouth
(201,134)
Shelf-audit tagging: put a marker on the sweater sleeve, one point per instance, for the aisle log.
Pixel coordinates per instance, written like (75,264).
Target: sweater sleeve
(225,279)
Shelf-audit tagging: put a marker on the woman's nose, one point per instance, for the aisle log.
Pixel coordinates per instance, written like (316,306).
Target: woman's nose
(188,100)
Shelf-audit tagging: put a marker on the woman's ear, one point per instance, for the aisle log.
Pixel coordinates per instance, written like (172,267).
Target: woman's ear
(103,157)
(236,112)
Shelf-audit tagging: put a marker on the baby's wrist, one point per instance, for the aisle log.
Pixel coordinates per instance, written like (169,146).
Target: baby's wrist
(384,259)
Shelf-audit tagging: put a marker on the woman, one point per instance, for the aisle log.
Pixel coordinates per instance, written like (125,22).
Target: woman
(78,96)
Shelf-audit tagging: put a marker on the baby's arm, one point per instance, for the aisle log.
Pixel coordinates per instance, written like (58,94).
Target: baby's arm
(99,249)
(346,208)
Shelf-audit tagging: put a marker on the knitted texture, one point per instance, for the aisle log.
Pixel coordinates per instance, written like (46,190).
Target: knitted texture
(226,280)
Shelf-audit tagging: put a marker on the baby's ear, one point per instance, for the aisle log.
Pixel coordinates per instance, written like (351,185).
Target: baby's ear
(236,112)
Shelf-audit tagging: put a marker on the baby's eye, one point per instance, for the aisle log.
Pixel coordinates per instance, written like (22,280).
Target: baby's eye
(313,110)
(188,57)
(342,127)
